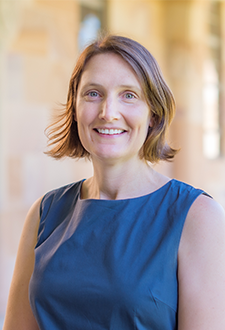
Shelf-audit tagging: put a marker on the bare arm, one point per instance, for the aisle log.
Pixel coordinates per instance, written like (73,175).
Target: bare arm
(19,315)
(201,271)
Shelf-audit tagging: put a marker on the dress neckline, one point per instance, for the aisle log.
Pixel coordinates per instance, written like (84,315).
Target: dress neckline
(168,183)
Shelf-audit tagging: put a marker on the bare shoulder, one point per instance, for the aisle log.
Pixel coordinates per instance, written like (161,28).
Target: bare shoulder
(34,210)
(28,238)
(33,218)
(201,267)
(205,207)
(205,222)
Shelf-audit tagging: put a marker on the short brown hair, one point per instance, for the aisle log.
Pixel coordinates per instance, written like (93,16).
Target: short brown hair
(63,133)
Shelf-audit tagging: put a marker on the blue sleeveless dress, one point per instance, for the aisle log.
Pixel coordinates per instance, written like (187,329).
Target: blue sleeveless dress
(109,264)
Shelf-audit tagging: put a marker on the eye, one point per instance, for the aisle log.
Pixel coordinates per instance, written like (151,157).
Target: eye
(129,96)
(92,94)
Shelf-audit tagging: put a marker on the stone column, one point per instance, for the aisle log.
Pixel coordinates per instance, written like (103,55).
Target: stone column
(9,20)
(184,36)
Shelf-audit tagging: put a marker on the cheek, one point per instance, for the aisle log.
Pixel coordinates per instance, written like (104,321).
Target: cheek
(139,120)
(81,117)
(85,119)
(86,113)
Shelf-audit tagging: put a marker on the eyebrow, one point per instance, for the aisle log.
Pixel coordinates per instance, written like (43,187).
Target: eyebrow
(92,84)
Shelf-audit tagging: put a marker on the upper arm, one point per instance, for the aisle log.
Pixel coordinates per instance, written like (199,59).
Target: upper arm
(18,314)
(201,268)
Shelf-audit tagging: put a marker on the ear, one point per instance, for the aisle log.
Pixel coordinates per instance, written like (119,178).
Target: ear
(75,116)
(152,121)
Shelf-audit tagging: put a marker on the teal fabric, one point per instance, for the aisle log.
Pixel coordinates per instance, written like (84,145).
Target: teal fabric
(109,264)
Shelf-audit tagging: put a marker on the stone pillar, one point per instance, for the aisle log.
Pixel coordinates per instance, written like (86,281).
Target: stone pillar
(186,52)
(184,37)
(223,76)
(9,19)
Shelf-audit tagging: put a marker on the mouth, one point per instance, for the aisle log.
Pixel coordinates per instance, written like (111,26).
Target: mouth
(109,131)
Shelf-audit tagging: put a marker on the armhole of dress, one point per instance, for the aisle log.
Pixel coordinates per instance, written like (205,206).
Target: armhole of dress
(42,217)
(207,195)
(41,207)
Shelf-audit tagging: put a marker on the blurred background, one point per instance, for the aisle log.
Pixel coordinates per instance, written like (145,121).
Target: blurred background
(39,43)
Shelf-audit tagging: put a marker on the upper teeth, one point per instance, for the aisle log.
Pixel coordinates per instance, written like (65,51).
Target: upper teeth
(109,131)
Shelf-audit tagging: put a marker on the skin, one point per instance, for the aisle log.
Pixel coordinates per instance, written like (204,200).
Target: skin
(110,97)
(18,314)
(104,102)
(202,268)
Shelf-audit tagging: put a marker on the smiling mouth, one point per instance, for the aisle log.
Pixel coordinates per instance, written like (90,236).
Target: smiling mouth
(109,131)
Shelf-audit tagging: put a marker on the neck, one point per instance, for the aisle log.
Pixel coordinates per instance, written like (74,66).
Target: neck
(119,181)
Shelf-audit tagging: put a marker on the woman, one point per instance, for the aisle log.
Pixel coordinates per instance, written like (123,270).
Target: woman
(127,248)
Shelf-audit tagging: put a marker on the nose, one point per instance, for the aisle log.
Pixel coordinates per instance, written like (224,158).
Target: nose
(109,110)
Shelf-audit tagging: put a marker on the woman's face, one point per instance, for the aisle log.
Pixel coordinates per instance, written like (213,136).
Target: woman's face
(111,111)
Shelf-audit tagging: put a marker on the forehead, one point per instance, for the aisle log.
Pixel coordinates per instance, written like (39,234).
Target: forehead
(109,65)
